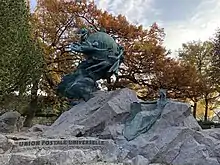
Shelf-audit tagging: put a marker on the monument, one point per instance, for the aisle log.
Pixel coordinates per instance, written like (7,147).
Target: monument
(110,126)
(102,59)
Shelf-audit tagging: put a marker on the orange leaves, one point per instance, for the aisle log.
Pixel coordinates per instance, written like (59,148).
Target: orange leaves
(180,79)
(57,20)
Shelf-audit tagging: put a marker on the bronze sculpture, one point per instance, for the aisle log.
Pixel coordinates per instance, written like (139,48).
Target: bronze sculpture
(141,120)
(102,59)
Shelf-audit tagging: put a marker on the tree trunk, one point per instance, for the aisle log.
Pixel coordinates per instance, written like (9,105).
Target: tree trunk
(206,108)
(109,84)
(194,109)
(32,107)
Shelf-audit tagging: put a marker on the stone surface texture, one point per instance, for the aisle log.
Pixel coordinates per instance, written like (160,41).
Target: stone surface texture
(10,122)
(175,139)
(89,118)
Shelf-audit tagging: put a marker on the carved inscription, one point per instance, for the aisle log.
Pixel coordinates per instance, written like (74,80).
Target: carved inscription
(59,142)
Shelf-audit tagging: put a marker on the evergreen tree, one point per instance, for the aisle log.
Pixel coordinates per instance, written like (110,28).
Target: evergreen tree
(20,56)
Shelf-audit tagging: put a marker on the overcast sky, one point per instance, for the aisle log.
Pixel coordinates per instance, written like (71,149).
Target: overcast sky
(182,20)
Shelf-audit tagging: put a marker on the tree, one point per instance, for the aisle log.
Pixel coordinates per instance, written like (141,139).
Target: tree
(215,71)
(19,56)
(198,54)
(57,22)
(180,79)
(146,67)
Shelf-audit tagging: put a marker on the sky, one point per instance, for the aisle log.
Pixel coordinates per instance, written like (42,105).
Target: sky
(182,20)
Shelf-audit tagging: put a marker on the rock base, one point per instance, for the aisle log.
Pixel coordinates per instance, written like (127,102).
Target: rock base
(175,138)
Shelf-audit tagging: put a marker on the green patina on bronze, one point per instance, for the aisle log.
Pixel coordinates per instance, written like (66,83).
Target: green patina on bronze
(102,59)
(140,120)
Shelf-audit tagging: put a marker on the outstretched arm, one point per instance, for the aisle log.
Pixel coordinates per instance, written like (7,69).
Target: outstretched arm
(85,47)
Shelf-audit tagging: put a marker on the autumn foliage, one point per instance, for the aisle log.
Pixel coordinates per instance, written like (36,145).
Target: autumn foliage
(57,21)
(147,66)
